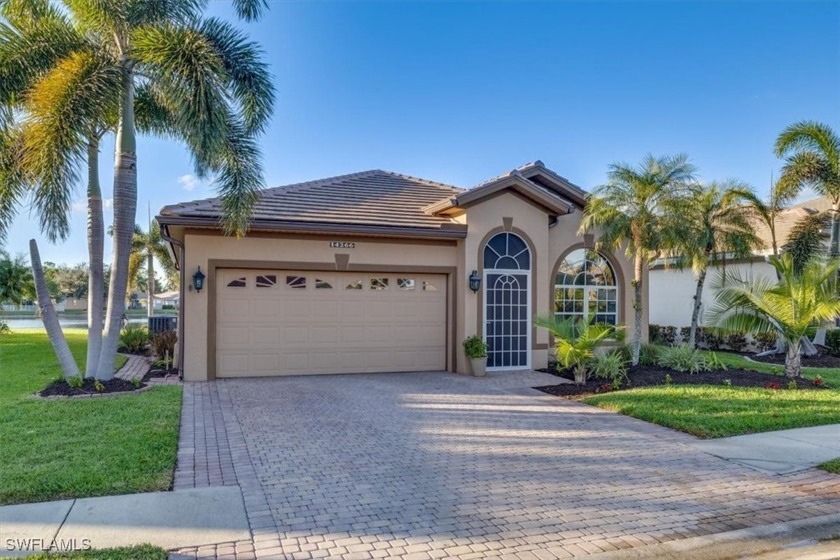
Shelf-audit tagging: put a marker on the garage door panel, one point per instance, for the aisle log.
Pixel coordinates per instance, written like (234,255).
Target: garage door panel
(266,327)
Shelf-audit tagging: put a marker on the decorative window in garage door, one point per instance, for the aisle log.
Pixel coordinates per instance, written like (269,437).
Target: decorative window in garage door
(266,281)
(585,288)
(507,302)
(238,283)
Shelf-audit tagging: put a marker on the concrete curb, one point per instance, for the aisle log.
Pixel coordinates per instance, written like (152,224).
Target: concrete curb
(753,540)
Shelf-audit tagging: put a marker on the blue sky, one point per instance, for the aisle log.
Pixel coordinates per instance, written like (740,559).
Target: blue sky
(459,92)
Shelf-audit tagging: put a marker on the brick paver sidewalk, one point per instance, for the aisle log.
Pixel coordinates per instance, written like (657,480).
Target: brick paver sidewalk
(439,465)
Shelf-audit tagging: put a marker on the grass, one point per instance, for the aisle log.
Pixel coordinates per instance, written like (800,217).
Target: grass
(72,448)
(832,466)
(736,361)
(711,412)
(142,552)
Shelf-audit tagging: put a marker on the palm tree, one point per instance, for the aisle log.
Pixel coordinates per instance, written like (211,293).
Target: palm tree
(574,342)
(15,279)
(632,209)
(127,65)
(712,228)
(782,193)
(806,241)
(812,152)
(148,246)
(789,306)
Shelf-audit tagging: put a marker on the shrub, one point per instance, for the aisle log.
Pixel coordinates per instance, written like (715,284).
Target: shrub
(659,334)
(792,385)
(832,342)
(474,347)
(668,379)
(611,365)
(737,341)
(4,328)
(714,363)
(134,338)
(648,355)
(682,358)
(167,306)
(819,381)
(685,332)
(712,339)
(163,343)
(98,386)
(76,381)
(654,332)
(766,340)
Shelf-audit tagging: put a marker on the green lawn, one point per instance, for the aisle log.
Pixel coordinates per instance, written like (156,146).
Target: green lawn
(72,448)
(736,361)
(832,466)
(142,552)
(712,411)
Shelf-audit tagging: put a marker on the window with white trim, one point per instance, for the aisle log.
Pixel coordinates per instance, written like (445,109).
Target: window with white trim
(585,288)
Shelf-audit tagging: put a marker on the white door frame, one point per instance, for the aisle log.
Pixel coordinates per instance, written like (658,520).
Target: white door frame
(529,326)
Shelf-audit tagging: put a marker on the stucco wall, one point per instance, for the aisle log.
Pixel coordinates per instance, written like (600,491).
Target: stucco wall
(673,291)
(201,248)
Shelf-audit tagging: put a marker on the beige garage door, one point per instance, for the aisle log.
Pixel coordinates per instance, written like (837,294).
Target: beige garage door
(279,322)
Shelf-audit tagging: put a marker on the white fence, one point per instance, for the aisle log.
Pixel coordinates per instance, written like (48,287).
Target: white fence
(29,308)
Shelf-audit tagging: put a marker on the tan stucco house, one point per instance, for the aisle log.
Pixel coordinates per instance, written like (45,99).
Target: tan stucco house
(370,272)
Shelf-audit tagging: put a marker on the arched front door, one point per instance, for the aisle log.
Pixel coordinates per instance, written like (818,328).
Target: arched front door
(507,302)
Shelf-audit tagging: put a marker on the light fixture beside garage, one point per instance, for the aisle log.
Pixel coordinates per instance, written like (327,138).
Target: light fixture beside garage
(475,281)
(198,280)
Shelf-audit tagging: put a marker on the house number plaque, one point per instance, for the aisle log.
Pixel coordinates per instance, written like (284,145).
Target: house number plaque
(342,245)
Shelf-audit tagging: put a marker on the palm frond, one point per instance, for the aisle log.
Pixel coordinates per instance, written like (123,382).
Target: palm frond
(810,136)
(240,178)
(153,12)
(13,186)
(250,10)
(247,75)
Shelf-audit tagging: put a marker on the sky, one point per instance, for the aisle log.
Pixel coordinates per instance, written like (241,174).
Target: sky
(459,92)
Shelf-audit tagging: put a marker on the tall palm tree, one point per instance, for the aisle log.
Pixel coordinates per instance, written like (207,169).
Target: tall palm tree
(789,306)
(812,152)
(712,228)
(806,240)
(782,193)
(132,64)
(146,247)
(632,209)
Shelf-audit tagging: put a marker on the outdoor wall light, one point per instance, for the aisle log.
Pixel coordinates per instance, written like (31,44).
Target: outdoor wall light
(475,281)
(198,280)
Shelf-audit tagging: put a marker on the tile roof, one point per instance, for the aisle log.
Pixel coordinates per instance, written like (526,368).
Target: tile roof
(368,198)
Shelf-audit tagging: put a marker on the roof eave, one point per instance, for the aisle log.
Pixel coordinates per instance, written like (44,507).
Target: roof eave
(444,231)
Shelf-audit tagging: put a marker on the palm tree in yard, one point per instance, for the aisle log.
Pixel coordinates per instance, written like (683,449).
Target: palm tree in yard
(789,306)
(632,210)
(71,71)
(145,248)
(812,152)
(766,211)
(712,228)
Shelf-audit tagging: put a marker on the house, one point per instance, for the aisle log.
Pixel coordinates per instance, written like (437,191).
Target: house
(170,298)
(382,272)
(675,289)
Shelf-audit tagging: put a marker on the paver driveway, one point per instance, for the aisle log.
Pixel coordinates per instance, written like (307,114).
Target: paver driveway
(438,465)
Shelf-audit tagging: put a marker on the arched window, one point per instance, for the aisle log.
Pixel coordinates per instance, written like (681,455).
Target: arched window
(585,288)
(507,251)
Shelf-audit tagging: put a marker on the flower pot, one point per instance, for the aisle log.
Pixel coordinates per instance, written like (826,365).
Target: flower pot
(478,366)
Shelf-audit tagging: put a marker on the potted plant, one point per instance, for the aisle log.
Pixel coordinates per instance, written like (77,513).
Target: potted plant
(476,350)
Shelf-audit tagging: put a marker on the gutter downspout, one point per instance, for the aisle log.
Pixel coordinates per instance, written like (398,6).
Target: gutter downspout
(182,300)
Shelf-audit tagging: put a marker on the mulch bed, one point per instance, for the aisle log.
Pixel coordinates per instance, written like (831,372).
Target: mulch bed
(646,376)
(160,373)
(62,389)
(823,359)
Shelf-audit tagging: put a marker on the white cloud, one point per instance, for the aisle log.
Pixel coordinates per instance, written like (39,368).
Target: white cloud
(189,182)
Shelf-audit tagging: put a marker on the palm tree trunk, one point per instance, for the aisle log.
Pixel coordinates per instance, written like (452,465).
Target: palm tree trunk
(150,283)
(125,211)
(834,245)
(50,317)
(637,306)
(695,313)
(96,243)
(793,362)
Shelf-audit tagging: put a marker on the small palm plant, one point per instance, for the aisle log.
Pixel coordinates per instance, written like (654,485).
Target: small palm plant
(574,342)
(789,306)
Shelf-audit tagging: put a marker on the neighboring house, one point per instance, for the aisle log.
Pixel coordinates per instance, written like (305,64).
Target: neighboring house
(674,289)
(370,272)
(167,298)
